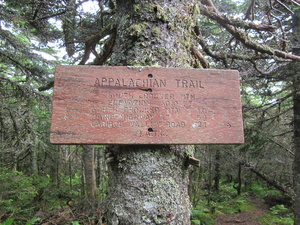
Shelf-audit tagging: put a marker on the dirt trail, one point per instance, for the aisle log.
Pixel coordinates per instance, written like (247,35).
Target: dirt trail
(245,218)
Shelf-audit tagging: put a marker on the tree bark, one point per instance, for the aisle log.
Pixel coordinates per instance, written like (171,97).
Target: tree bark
(296,103)
(153,33)
(217,170)
(89,173)
(239,187)
(297,154)
(149,184)
(33,161)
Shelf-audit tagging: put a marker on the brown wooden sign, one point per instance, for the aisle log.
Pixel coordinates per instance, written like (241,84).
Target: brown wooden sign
(121,105)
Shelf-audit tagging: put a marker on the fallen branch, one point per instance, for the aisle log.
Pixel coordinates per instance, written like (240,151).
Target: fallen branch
(273,183)
(235,221)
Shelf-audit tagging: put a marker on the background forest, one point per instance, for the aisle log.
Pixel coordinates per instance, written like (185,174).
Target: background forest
(40,182)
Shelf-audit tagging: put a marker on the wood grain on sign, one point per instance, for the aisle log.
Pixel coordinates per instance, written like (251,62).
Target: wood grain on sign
(121,105)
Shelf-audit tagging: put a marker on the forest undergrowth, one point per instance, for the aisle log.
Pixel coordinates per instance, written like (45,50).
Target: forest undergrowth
(257,205)
(36,204)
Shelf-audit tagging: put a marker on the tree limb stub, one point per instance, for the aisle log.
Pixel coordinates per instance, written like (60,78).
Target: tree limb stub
(200,57)
(47,86)
(193,161)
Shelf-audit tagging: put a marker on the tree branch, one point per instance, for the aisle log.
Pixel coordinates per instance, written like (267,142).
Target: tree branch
(269,181)
(224,56)
(47,86)
(261,175)
(283,147)
(223,19)
(89,47)
(107,50)
(93,41)
(193,161)
(243,37)
(48,16)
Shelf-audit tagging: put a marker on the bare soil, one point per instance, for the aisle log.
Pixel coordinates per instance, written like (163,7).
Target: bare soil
(245,217)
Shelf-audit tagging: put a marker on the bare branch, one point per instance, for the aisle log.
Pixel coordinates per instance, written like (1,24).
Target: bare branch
(223,19)
(244,39)
(48,16)
(224,56)
(284,6)
(283,147)
(296,2)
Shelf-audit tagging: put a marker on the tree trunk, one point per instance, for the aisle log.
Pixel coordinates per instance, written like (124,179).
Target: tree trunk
(70,170)
(89,173)
(297,155)
(239,187)
(55,166)
(217,170)
(98,166)
(33,161)
(149,184)
(296,103)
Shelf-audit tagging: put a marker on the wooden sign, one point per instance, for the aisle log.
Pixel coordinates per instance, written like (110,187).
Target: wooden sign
(122,105)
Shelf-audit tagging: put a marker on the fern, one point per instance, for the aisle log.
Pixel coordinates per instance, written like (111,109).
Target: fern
(8,221)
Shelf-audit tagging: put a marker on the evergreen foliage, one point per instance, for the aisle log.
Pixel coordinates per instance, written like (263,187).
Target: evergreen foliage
(256,37)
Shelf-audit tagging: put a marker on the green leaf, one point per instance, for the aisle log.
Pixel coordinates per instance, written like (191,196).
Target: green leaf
(196,222)
(8,221)
(32,221)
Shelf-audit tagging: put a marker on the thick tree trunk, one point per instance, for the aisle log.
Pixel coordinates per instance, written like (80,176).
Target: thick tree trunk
(153,33)
(149,184)
(296,103)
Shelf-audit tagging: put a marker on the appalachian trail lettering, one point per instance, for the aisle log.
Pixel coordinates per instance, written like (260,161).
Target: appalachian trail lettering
(105,81)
